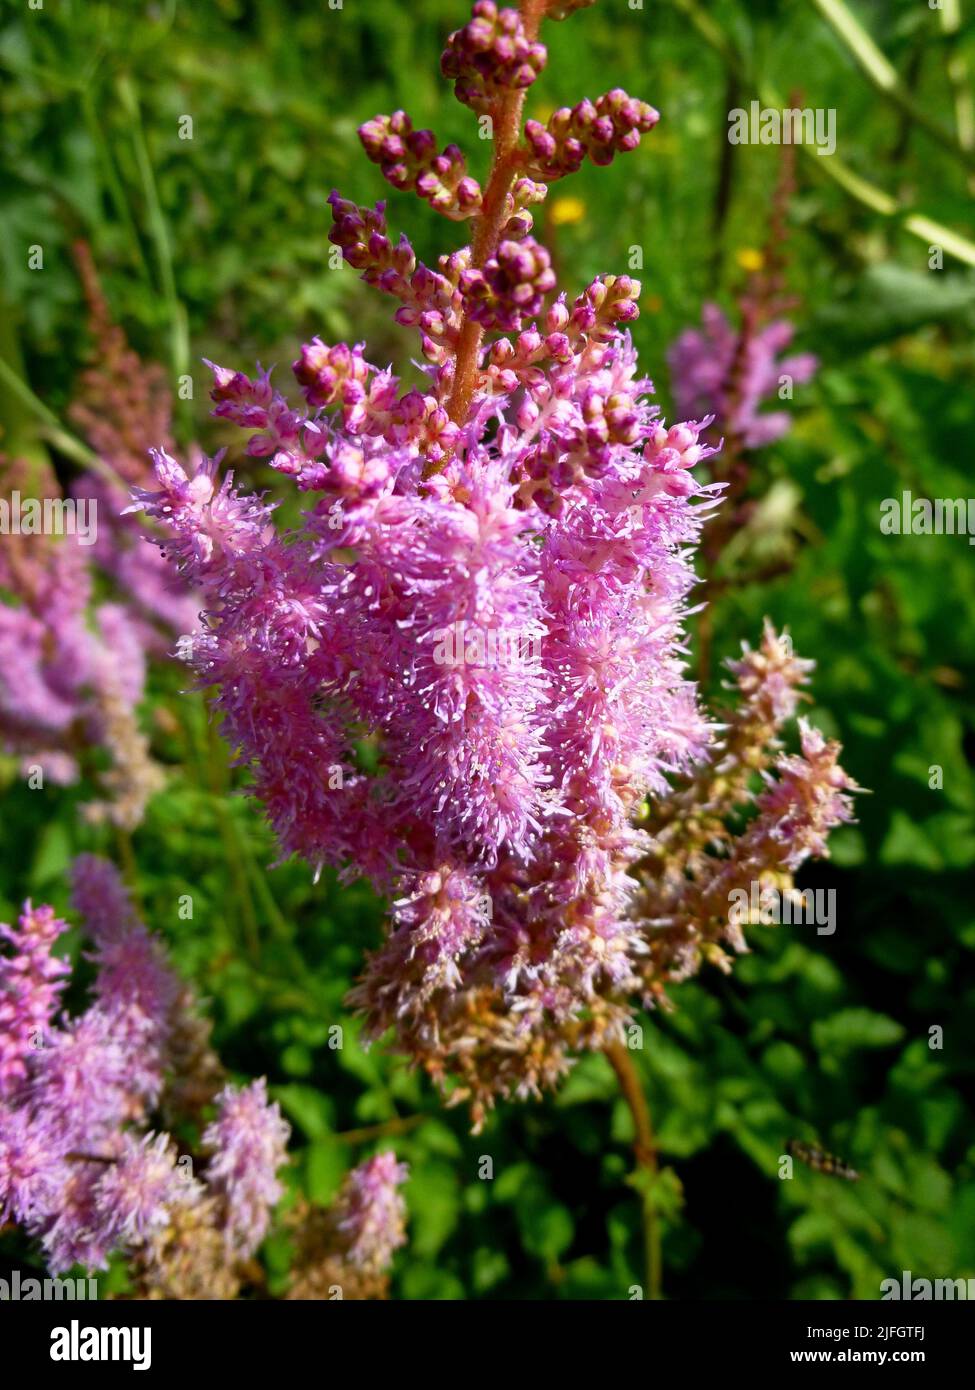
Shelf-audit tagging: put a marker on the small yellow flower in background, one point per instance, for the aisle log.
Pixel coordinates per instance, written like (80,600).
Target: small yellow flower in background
(750,259)
(565,211)
(651,304)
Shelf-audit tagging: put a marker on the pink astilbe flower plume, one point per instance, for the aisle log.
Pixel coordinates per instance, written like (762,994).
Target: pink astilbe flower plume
(82,614)
(137,1193)
(248,1140)
(83,1169)
(348,1248)
(731,370)
(74,1085)
(370,1212)
(87,1172)
(488,584)
(31,981)
(71,672)
(715,373)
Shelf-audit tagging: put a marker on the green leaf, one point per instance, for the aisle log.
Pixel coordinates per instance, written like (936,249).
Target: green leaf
(326,1162)
(307,1107)
(433,1198)
(850,1029)
(890,300)
(546,1231)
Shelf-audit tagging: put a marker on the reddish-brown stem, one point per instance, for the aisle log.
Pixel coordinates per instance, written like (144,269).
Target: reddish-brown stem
(644,1147)
(507,130)
(645,1153)
(402,1124)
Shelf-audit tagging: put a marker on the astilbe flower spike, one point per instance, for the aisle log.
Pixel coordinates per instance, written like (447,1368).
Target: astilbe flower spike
(31,981)
(248,1140)
(81,1169)
(85,1169)
(489,584)
(71,672)
(730,371)
(697,861)
(709,378)
(73,669)
(346,1250)
(370,1213)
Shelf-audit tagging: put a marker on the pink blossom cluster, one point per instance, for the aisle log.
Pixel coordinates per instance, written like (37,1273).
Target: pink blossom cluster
(346,1249)
(527,486)
(81,1168)
(72,672)
(79,622)
(714,369)
(409,159)
(595,130)
(491,56)
(248,1141)
(370,1212)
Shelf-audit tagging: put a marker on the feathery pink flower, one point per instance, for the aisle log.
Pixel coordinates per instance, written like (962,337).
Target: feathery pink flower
(370,1212)
(248,1141)
(701,364)
(31,981)
(136,1194)
(487,582)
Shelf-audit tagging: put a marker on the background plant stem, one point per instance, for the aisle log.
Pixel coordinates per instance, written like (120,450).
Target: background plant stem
(645,1152)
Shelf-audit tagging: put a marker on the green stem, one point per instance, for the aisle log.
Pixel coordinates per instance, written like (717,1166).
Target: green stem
(645,1152)
(116,191)
(724,184)
(959,77)
(884,76)
(179,339)
(915,223)
(130,867)
(19,421)
(230,835)
(400,1125)
(54,431)
(279,927)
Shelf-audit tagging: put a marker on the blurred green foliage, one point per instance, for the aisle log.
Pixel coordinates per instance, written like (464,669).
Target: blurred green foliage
(217,246)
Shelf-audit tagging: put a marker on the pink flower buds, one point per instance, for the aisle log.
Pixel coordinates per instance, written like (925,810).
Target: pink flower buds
(361,233)
(511,287)
(612,125)
(408,159)
(491,55)
(607,301)
(324,373)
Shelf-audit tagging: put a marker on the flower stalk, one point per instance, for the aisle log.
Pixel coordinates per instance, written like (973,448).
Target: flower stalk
(645,1153)
(507,131)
